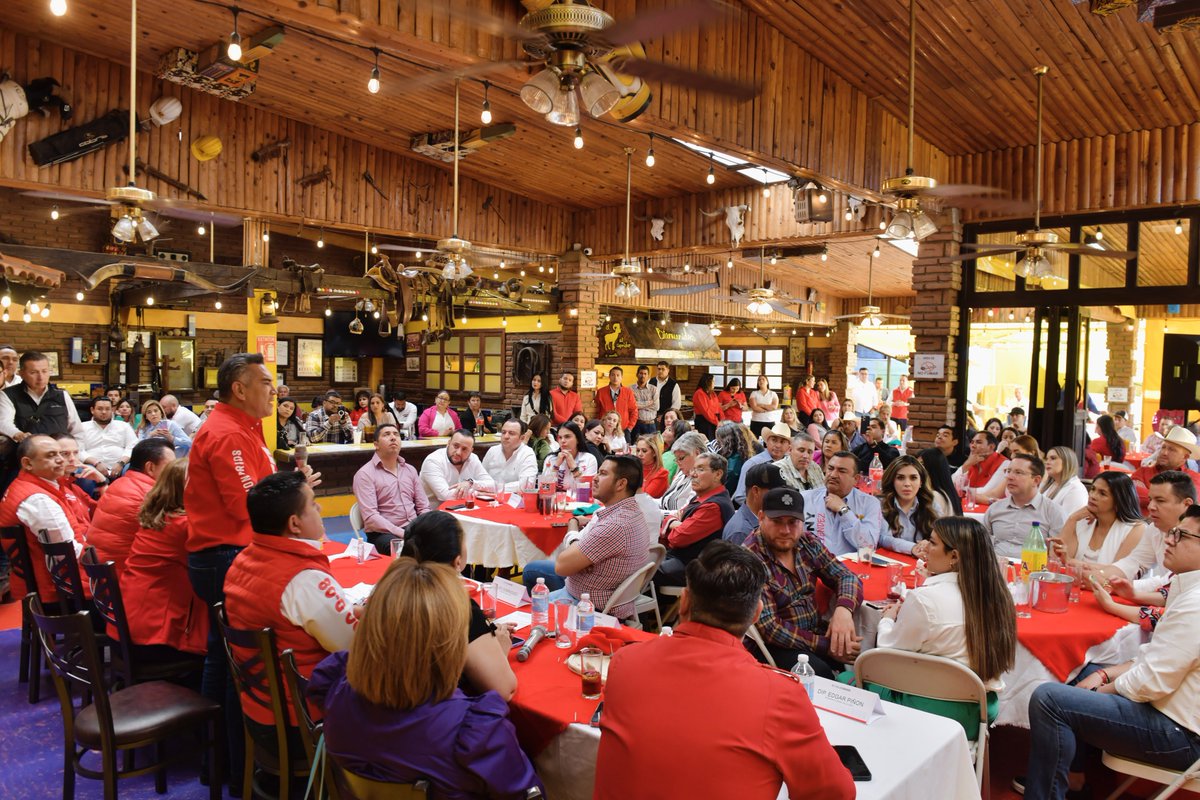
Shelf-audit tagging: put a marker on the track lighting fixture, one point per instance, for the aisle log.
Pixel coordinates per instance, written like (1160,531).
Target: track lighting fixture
(234,51)
(711,178)
(485,112)
(578,138)
(373,82)
(650,152)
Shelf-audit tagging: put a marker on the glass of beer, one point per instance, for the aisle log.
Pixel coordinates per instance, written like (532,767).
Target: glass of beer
(487,600)
(300,456)
(590,660)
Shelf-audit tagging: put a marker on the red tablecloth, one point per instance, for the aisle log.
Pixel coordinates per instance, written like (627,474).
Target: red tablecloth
(1134,459)
(542,532)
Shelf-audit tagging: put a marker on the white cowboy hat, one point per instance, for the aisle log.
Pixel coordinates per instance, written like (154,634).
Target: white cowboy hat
(1184,438)
(780,429)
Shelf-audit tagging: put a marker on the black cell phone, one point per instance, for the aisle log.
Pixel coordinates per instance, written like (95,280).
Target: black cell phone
(517,641)
(852,761)
(456,507)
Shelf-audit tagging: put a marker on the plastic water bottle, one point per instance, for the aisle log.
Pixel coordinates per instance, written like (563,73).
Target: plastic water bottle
(805,673)
(666,631)
(541,604)
(585,615)
(875,472)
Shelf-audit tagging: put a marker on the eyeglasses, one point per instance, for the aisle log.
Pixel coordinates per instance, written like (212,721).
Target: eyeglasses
(1020,472)
(1179,534)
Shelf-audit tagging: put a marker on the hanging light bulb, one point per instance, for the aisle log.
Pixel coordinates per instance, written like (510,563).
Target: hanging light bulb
(54,212)
(150,300)
(266,236)
(504,321)
(714,329)
(687,267)
(321,240)
(33,307)
(729,262)
(1178,227)
(875,253)
(26,317)
(495,275)
(424,316)
(217,305)
(234,51)
(578,138)
(522,273)
(822,198)
(1128,325)
(539,322)
(1012,314)
(201,230)
(4,316)
(849,215)
(5,300)
(991,312)
(827,333)
(883,224)
(1027,317)
(45,311)
(485,113)
(634,320)
(650,152)
(79,296)
(374,250)
(1099,234)
(774,259)
(793,331)
(373,82)
(58,7)
(825,253)
(418,255)
(810,331)
(711,178)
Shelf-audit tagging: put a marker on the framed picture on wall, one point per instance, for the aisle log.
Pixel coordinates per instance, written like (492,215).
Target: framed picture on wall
(282,351)
(310,357)
(797,351)
(52,357)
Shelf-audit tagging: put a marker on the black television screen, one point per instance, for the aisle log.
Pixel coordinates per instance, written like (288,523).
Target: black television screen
(341,343)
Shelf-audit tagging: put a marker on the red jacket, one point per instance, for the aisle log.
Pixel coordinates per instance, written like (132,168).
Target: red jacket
(754,729)
(160,603)
(227,458)
(254,589)
(115,520)
(626,406)
(707,406)
(565,405)
(22,488)
(655,483)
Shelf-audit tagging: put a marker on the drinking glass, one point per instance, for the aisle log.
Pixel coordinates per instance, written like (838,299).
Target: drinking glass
(565,637)
(590,661)
(972,497)
(866,552)
(1020,592)
(469,497)
(356,436)
(397,545)
(487,600)
(300,456)
(895,581)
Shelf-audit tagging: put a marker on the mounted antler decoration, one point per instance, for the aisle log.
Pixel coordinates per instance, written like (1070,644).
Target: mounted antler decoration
(658,225)
(735,220)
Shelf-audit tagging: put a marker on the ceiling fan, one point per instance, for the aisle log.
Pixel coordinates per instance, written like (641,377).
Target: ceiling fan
(869,315)
(910,220)
(587,56)
(1035,246)
(763,299)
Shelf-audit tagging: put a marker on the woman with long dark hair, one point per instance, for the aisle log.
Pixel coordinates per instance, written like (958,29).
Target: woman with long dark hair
(362,400)
(732,401)
(732,445)
(1108,527)
(539,438)
(963,612)
(940,480)
(764,406)
(706,409)
(377,413)
(572,457)
(594,440)
(817,429)
(909,506)
(833,441)
(1108,444)
(288,430)
(536,400)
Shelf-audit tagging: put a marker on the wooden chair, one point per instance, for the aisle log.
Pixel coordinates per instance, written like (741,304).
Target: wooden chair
(310,729)
(1188,780)
(64,574)
(16,547)
(933,677)
(258,680)
(131,718)
(109,604)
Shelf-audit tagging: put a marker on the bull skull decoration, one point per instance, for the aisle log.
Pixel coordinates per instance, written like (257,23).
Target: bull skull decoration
(658,226)
(735,220)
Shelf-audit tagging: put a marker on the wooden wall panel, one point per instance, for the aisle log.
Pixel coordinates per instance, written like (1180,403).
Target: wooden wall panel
(234,183)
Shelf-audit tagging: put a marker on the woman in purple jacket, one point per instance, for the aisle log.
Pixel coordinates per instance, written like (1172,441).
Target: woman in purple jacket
(392,707)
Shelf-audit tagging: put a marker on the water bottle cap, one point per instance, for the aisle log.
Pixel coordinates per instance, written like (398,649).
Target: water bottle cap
(541,581)
(802,658)
(584,596)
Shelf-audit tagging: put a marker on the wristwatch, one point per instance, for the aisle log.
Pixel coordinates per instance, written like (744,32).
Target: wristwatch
(843,510)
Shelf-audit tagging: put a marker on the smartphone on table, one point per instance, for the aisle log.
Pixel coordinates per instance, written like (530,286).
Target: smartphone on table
(852,761)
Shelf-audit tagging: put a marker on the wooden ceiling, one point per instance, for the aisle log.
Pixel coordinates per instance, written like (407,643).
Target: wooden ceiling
(1108,74)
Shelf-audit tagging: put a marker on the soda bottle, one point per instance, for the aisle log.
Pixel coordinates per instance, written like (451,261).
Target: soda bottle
(585,615)
(547,486)
(805,673)
(1033,552)
(875,472)
(541,604)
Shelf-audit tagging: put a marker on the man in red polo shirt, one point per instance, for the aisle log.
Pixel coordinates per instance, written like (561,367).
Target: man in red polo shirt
(564,400)
(984,468)
(1178,446)
(901,397)
(743,729)
(618,398)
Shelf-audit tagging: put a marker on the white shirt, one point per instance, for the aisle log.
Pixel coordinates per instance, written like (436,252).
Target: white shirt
(932,620)
(13,382)
(1117,534)
(110,443)
(314,601)
(508,473)
(1130,435)
(1166,672)
(1147,556)
(1071,497)
(185,418)
(765,399)
(864,396)
(41,514)
(8,413)
(406,418)
(438,475)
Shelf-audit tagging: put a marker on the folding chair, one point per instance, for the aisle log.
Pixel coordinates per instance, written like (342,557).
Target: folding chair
(630,589)
(649,602)
(1187,780)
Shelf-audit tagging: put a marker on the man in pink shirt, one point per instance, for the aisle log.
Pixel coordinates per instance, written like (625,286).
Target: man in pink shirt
(388,491)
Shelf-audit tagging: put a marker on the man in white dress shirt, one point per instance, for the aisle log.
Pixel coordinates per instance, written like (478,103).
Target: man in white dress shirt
(182,416)
(447,473)
(41,411)
(513,461)
(108,442)
(10,360)
(1171,492)
(406,415)
(864,394)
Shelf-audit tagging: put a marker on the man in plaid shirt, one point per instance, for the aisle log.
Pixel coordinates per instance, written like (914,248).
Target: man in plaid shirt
(790,623)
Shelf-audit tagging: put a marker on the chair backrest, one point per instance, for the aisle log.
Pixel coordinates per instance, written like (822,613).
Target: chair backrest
(107,600)
(256,673)
(69,643)
(922,674)
(753,634)
(298,688)
(16,547)
(64,574)
(631,587)
(360,788)
(356,520)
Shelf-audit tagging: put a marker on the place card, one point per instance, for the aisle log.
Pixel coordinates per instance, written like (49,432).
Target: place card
(601,620)
(518,619)
(509,592)
(359,549)
(514,500)
(857,704)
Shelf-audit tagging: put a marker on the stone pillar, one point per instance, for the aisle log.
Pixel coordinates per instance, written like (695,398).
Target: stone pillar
(935,321)
(842,357)
(579,314)
(1119,368)
(260,338)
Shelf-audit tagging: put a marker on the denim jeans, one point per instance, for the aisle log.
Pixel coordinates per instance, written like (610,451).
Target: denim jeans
(542,569)
(1064,718)
(206,571)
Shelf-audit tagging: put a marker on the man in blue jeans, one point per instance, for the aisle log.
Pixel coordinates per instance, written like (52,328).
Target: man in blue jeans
(1147,709)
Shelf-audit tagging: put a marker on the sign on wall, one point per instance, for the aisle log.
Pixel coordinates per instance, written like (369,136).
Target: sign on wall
(647,341)
(929,366)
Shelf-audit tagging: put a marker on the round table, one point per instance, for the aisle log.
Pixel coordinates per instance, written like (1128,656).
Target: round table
(498,535)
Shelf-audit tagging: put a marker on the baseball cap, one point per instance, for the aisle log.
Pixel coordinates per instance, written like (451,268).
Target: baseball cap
(764,476)
(786,502)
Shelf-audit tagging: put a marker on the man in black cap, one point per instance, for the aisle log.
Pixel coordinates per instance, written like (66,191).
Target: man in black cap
(760,479)
(790,623)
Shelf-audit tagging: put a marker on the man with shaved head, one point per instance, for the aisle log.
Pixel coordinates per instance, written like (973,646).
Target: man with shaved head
(182,416)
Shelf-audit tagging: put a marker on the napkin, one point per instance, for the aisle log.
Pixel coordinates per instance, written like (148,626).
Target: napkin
(607,640)
(586,511)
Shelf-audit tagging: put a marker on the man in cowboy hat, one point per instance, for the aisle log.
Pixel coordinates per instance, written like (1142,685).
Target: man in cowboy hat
(1178,446)
(778,439)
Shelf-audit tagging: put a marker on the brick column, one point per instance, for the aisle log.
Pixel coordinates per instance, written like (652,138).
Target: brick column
(935,321)
(842,357)
(1119,368)
(579,313)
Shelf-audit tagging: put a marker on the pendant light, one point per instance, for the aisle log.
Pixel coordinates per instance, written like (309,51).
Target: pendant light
(234,51)
(485,113)
(373,82)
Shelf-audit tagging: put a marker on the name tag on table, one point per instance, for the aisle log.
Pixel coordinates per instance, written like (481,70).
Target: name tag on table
(512,593)
(514,500)
(857,704)
(359,549)
(602,620)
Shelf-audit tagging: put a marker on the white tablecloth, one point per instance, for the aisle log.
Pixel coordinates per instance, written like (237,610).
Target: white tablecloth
(912,755)
(497,544)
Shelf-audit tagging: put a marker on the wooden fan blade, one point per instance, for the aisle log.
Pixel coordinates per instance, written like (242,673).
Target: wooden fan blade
(960,190)
(999,205)
(973,256)
(431,80)
(659,22)
(197,215)
(1084,250)
(700,81)
(482,20)
(684,290)
(782,309)
(63,197)
(656,278)
(983,246)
